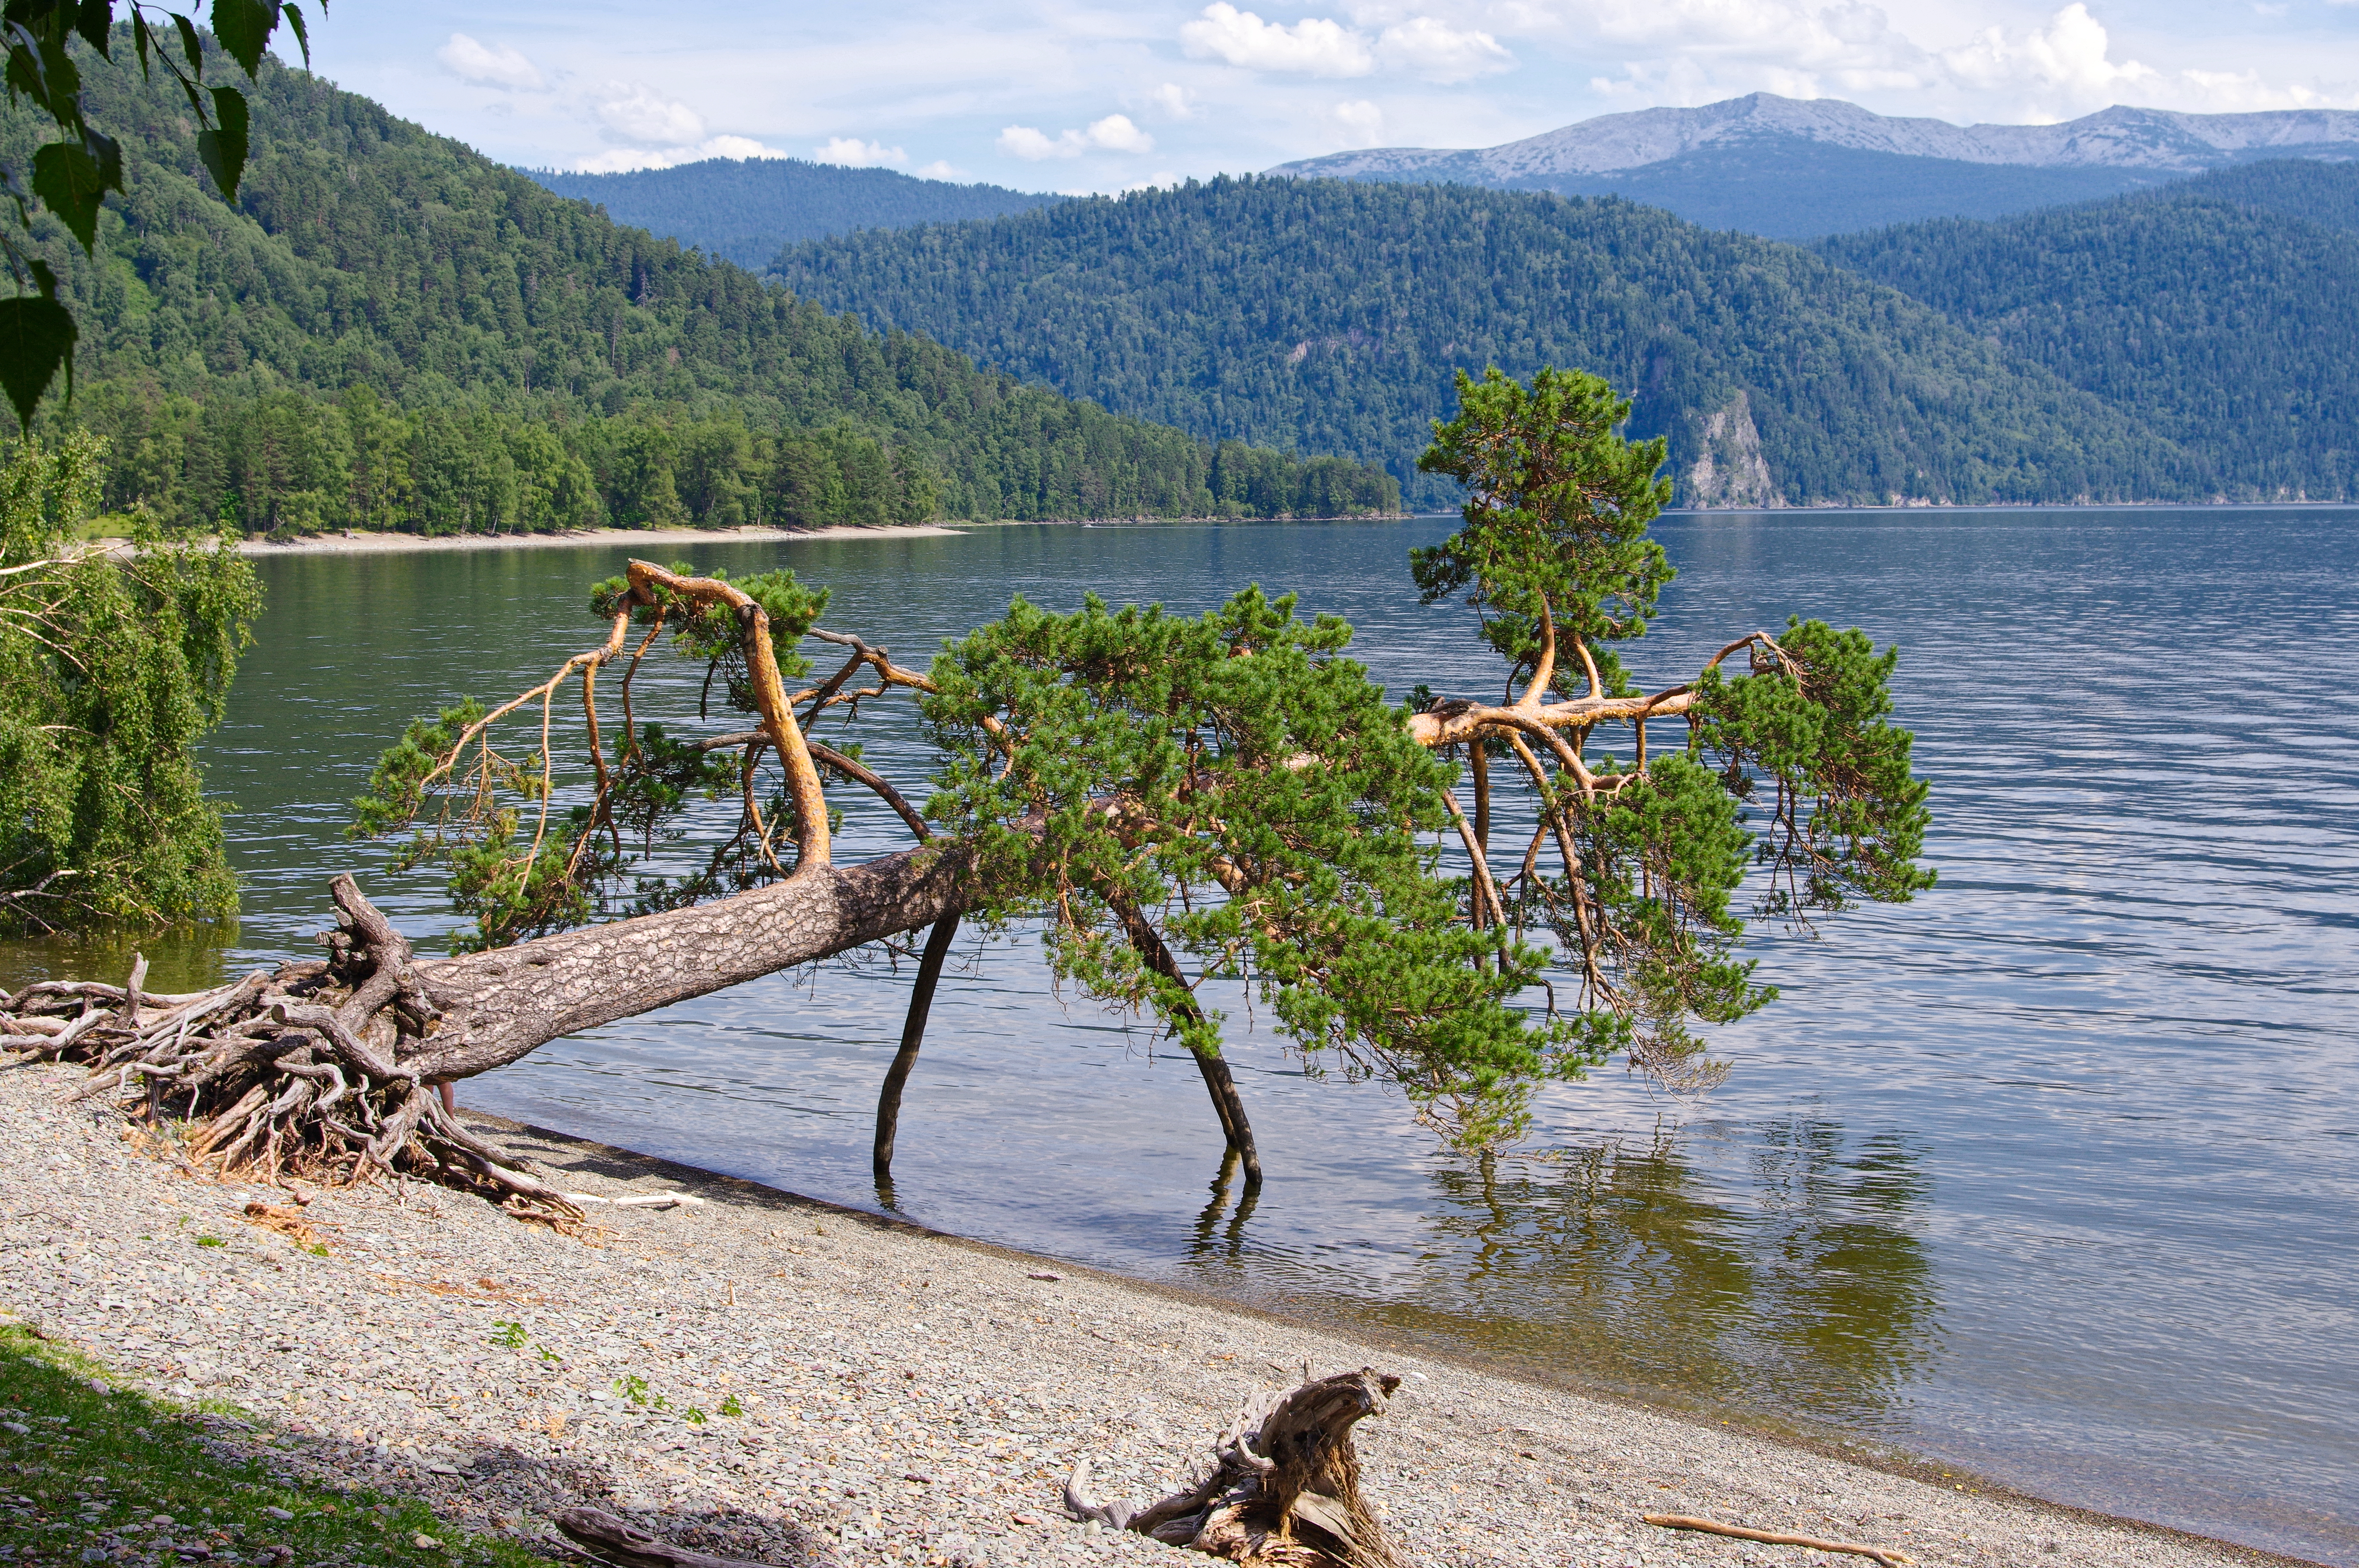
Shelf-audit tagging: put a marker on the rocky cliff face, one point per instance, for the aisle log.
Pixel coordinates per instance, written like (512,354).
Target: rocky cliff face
(1729,469)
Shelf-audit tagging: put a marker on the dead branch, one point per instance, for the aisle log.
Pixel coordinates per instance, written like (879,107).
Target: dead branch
(1883,1554)
(649,583)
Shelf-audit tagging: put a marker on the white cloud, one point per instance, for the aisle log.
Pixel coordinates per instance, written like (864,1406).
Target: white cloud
(853,153)
(1115,133)
(622,160)
(1028,141)
(1699,51)
(1172,99)
(2071,59)
(488,66)
(941,168)
(635,112)
(1440,53)
(1360,123)
(1314,46)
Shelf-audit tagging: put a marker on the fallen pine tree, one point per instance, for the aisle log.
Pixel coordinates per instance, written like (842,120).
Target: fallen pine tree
(1175,800)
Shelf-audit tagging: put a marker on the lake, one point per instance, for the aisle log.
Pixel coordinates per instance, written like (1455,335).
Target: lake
(2052,1175)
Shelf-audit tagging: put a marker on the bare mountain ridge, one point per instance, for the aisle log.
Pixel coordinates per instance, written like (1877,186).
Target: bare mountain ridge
(2122,138)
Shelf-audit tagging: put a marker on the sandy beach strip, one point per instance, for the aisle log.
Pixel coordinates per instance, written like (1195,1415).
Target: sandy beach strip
(775,1379)
(636,539)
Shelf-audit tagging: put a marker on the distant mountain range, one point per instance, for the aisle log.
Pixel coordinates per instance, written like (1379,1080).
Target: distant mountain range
(748,211)
(1791,168)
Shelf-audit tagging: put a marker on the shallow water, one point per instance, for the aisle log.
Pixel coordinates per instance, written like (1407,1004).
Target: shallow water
(2053,1174)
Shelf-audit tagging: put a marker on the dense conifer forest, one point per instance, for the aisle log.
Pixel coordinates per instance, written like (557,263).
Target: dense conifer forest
(1786,188)
(2219,311)
(748,211)
(2326,194)
(390,329)
(1326,316)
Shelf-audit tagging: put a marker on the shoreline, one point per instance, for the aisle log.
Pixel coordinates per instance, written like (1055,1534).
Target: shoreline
(407,544)
(400,544)
(1819,1442)
(396,543)
(899,1393)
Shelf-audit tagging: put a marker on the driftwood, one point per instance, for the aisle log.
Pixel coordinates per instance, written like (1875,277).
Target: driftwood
(1883,1554)
(1284,1488)
(617,1541)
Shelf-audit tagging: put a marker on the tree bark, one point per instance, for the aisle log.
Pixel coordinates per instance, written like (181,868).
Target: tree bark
(1231,1108)
(913,1034)
(498,1006)
(1228,1104)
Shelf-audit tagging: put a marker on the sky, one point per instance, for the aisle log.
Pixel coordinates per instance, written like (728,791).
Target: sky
(1075,96)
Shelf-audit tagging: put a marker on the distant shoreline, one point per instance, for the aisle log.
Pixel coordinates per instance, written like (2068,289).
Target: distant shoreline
(395,542)
(403,544)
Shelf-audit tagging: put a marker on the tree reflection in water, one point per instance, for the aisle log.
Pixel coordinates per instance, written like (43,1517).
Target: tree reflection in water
(1774,1265)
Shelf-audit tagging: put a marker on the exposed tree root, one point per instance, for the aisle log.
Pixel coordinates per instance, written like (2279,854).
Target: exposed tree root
(1284,1489)
(325,1070)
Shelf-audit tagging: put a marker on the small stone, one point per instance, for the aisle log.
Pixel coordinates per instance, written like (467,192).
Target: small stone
(425,1544)
(1024,1519)
(278,1512)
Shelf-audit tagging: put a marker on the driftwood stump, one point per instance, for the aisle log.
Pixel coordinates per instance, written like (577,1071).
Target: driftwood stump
(1284,1490)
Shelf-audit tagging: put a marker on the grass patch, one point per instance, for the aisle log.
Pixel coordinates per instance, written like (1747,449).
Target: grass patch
(82,1461)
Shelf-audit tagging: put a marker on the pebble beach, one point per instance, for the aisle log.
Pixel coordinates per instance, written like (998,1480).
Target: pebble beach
(754,1375)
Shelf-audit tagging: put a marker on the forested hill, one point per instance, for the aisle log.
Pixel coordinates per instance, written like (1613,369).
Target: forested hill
(392,330)
(2209,310)
(2326,194)
(1328,316)
(748,211)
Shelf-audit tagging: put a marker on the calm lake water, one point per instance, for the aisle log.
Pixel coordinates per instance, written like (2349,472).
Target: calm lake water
(2053,1174)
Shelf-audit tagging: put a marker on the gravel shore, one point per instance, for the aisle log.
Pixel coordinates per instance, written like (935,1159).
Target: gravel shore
(768,1377)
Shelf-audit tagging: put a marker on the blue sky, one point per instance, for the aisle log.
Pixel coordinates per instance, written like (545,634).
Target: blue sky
(1073,95)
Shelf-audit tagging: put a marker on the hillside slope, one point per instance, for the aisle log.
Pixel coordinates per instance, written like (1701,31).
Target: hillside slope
(2326,194)
(390,328)
(2223,322)
(1328,316)
(1784,189)
(747,211)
